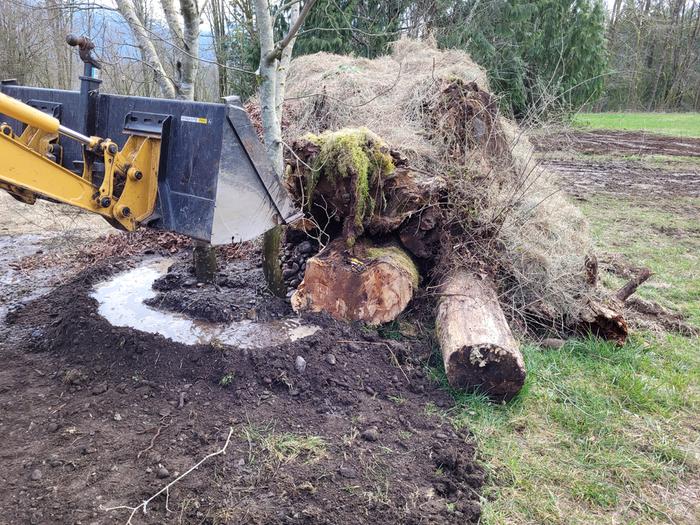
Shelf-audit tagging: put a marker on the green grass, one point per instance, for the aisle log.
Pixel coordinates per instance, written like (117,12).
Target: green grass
(601,434)
(679,124)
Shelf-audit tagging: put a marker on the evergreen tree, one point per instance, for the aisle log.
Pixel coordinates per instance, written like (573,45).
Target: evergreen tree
(541,55)
(351,27)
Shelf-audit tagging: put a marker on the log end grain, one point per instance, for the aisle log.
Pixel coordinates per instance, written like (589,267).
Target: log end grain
(486,368)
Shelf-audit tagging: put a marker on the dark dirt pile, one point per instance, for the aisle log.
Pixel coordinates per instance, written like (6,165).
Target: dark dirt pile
(339,428)
(238,292)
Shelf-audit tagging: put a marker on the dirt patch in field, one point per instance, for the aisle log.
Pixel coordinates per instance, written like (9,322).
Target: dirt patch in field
(622,177)
(602,142)
(339,427)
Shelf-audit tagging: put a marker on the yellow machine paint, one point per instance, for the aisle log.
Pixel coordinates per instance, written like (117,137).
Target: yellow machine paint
(29,168)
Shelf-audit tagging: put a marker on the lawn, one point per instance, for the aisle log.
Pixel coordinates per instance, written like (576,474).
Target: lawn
(678,124)
(600,434)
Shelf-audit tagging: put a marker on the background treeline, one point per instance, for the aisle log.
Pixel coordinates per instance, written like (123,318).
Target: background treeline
(543,56)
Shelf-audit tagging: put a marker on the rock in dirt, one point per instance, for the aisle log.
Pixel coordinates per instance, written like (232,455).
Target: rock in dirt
(99,389)
(330,359)
(371,434)
(117,416)
(552,343)
(36,474)
(162,472)
(347,472)
(52,427)
(300,364)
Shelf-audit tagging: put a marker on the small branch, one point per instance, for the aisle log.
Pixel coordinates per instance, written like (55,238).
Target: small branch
(279,46)
(624,293)
(153,440)
(166,489)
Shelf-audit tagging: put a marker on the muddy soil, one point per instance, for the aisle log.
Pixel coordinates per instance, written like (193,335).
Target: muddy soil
(238,292)
(340,427)
(581,177)
(644,182)
(602,142)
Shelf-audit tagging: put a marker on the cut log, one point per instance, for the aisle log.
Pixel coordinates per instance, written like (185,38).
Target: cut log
(372,284)
(478,347)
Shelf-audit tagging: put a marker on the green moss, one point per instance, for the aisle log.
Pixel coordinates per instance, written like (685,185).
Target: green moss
(396,256)
(348,153)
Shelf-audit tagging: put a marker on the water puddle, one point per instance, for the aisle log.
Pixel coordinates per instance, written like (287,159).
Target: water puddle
(121,302)
(21,286)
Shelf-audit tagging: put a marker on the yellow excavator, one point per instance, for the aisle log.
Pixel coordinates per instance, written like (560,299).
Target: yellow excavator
(190,167)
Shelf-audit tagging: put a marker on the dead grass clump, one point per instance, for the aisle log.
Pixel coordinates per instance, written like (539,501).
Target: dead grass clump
(504,213)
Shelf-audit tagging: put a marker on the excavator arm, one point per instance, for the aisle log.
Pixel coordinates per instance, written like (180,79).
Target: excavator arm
(126,195)
(194,168)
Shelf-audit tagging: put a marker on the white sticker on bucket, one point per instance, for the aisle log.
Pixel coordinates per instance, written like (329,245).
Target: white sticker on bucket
(196,120)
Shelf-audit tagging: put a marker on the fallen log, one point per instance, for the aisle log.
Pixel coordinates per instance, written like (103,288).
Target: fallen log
(368,283)
(478,347)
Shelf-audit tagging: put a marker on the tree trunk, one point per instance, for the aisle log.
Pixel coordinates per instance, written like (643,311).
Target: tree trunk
(478,348)
(373,285)
(272,243)
(204,261)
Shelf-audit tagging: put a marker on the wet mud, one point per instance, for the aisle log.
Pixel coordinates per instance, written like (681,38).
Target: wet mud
(238,292)
(625,177)
(223,314)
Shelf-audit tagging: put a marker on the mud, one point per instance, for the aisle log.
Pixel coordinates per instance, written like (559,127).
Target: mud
(624,177)
(601,142)
(96,416)
(238,292)
(128,299)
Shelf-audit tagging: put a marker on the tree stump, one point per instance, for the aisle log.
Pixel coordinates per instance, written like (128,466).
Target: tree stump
(368,283)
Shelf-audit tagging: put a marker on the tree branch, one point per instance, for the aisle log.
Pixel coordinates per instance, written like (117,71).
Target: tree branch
(291,34)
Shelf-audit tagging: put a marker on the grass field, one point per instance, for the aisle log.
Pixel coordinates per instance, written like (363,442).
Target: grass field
(678,124)
(599,434)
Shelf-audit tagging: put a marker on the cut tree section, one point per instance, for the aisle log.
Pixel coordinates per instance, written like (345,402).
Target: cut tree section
(478,347)
(368,283)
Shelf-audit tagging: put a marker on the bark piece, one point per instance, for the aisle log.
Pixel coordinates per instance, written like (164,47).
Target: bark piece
(478,347)
(421,234)
(370,283)
(604,320)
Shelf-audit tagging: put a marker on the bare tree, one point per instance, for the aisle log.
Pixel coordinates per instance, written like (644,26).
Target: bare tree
(183,44)
(275,57)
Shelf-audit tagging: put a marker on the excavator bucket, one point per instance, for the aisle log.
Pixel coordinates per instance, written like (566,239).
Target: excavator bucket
(215,183)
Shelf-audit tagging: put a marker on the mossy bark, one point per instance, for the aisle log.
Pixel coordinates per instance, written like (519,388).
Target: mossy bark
(272,245)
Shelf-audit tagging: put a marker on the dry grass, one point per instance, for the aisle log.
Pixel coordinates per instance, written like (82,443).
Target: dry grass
(505,213)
